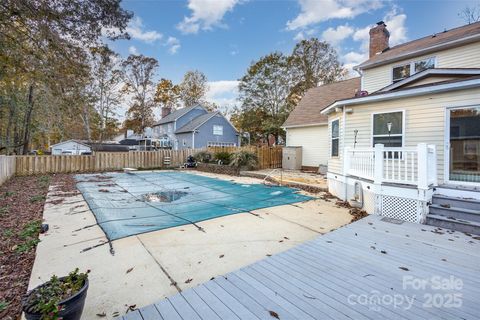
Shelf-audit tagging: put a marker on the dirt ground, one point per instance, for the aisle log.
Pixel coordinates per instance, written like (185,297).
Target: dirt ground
(21,205)
(151,266)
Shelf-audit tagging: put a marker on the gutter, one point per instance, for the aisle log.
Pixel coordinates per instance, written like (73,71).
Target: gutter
(434,48)
(305,125)
(405,93)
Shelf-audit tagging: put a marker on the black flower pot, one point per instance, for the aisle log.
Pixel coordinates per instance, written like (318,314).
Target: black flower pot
(72,307)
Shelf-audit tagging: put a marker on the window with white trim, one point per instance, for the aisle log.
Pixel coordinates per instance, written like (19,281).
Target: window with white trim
(406,70)
(218,130)
(335,127)
(382,122)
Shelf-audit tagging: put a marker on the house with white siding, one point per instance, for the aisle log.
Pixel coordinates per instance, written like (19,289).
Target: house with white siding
(306,127)
(407,146)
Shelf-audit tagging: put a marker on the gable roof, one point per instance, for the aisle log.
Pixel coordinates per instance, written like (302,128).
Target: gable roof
(196,122)
(307,112)
(71,140)
(176,114)
(429,88)
(439,41)
(453,72)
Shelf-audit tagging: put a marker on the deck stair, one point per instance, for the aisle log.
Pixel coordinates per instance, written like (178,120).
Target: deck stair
(456,213)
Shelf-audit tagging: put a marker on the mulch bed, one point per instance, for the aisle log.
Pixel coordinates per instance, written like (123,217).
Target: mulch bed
(21,207)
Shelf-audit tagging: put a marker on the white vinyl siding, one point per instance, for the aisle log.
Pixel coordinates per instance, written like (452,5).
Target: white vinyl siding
(335,163)
(424,122)
(314,143)
(466,56)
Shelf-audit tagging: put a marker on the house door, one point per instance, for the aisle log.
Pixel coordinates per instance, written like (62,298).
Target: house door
(463,145)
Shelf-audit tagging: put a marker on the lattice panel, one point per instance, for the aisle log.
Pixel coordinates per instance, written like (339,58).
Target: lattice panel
(399,208)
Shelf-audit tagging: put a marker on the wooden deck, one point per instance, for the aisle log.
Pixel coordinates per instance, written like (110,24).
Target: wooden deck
(355,272)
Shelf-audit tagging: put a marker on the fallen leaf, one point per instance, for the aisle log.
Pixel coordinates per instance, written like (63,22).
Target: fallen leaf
(188,280)
(101,315)
(404,268)
(383,251)
(130,270)
(372,247)
(116,314)
(286,238)
(280,241)
(269,255)
(274,314)
(221,256)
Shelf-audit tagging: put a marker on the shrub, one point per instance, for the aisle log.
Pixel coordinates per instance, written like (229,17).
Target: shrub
(223,156)
(244,159)
(203,156)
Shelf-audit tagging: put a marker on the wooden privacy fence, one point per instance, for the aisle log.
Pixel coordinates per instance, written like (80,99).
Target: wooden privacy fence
(100,161)
(7,167)
(268,157)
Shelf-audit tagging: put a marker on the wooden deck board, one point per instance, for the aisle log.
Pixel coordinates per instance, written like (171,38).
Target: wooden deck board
(150,313)
(315,280)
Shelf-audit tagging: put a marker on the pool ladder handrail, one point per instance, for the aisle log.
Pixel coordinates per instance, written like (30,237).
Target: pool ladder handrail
(270,173)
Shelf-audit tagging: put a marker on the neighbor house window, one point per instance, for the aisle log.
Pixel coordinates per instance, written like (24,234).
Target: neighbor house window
(381,124)
(335,137)
(218,130)
(406,70)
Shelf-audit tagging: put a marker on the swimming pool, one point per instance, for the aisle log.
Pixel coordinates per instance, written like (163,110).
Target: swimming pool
(126,204)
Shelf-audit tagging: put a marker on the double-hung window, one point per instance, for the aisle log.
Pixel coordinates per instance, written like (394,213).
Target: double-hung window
(388,129)
(335,137)
(406,70)
(218,130)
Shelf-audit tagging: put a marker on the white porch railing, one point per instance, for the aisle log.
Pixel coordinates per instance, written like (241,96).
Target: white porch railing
(406,165)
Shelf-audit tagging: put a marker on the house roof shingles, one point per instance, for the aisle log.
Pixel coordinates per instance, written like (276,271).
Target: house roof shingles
(422,45)
(307,112)
(175,115)
(196,122)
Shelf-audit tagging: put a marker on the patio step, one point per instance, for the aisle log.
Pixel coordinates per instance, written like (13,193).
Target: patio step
(465,203)
(455,212)
(471,227)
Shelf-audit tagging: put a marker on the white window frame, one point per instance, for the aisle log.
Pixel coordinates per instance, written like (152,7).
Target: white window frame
(330,129)
(412,67)
(216,128)
(372,136)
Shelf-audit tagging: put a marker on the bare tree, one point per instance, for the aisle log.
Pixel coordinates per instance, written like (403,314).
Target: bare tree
(193,88)
(470,14)
(138,73)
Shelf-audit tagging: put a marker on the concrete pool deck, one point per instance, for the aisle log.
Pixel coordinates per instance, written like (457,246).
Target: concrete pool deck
(151,266)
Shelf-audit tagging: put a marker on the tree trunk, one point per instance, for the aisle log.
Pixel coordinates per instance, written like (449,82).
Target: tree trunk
(28,120)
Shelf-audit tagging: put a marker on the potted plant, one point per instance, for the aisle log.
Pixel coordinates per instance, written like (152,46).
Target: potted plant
(59,298)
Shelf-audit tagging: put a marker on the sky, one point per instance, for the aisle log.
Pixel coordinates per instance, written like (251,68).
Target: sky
(222,38)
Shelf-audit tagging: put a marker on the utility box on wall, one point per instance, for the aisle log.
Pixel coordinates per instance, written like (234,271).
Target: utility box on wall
(292,158)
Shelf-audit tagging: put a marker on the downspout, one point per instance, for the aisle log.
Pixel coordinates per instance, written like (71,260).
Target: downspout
(344,129)
(193,139)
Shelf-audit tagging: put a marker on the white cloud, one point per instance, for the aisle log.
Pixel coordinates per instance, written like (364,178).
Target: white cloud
(395,22)
(224,93)
(336,35)
(315,11)
(132,50)
(135,30)
(206,14)
(173,45)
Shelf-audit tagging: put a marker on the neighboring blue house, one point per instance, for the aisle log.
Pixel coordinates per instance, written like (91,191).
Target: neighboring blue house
(195,127)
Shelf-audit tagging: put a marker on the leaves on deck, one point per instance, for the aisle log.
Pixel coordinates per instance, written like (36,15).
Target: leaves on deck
(274,314)
(188,280)
(404,268)
(101,315)
(129,270)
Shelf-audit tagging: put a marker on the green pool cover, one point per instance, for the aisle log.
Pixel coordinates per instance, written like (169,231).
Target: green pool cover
(126,204)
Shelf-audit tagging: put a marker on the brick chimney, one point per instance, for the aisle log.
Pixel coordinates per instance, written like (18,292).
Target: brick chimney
(379,36)
(166,111)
